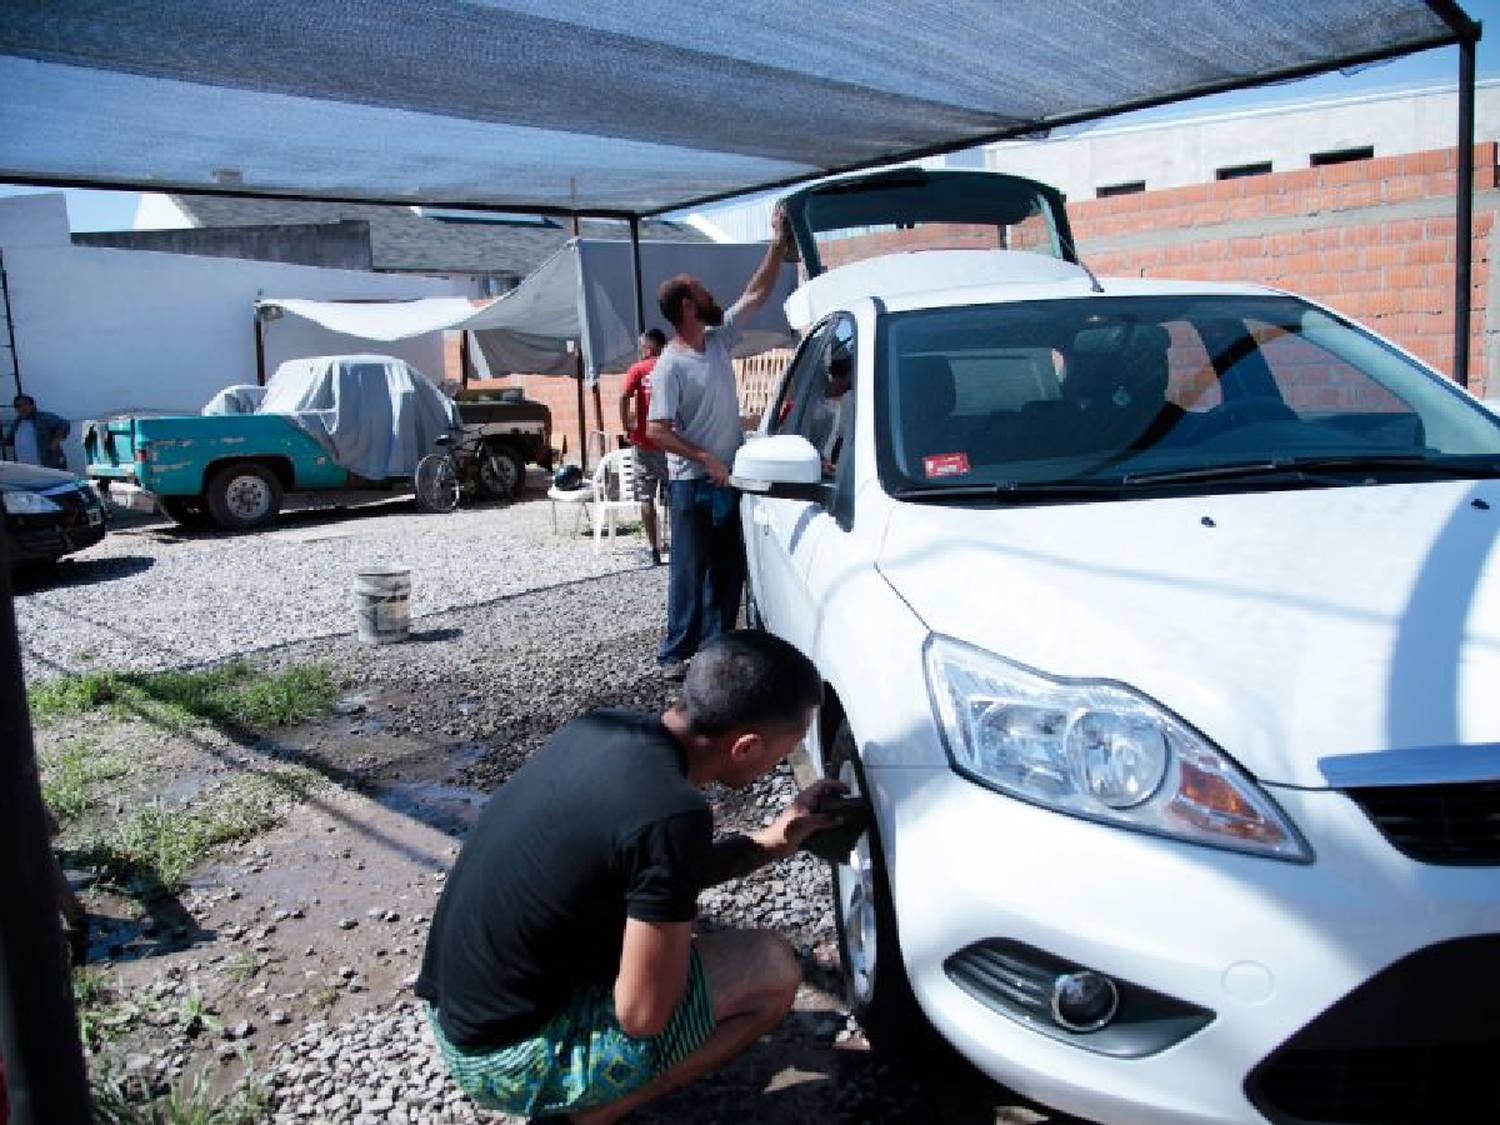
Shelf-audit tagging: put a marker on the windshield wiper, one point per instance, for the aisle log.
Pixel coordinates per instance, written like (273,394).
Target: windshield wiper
(1011,490)
(1316,470)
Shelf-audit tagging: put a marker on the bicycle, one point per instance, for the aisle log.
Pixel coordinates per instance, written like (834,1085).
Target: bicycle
(470,467)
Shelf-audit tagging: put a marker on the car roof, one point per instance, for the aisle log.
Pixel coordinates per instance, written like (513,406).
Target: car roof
(948,278)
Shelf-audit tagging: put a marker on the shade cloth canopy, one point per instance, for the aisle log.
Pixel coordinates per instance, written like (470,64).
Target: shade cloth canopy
(581,107)
(582,296)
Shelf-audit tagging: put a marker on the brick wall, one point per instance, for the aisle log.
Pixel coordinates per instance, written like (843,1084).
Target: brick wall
(1372,239)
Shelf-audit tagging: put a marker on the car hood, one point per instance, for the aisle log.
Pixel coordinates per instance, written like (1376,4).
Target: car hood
(1288,627)
(31,478)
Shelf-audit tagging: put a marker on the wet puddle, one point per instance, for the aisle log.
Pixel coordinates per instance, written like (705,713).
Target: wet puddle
(436,801)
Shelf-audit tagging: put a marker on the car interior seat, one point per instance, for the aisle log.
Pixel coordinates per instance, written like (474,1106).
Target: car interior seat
(925,398)
(1117,387)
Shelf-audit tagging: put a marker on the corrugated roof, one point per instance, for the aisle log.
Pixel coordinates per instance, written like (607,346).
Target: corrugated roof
(402,240)
(638,108)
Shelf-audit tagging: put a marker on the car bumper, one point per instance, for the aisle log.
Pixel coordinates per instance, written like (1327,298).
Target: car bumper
(38,539)
(133,497)
(1265,947)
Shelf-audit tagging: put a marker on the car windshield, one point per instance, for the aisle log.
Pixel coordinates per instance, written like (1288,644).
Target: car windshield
(1122,394)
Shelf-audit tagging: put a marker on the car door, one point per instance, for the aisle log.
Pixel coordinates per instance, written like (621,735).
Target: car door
(787,533)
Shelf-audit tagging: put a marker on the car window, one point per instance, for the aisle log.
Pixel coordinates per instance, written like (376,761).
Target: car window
(802,388)
(1098,389)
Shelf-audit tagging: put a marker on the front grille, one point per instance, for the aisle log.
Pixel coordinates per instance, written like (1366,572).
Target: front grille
(1432,1086)
(1455,825)
(1415,1044)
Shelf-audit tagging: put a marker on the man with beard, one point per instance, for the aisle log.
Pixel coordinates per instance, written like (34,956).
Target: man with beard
(695,417)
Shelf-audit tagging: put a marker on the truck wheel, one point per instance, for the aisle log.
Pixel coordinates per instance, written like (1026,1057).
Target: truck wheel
(502,472)
(243,496)
(186,511)
(875,983)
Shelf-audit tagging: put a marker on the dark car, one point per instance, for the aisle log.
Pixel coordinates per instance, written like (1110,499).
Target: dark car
(48,514)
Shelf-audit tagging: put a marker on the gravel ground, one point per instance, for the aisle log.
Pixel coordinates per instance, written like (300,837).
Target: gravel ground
(515,630)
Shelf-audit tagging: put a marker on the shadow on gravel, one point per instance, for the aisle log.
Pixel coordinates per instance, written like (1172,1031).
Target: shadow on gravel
(428,636)
(78,572)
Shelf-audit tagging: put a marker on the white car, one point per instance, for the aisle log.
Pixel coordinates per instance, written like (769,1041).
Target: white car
(1160,623)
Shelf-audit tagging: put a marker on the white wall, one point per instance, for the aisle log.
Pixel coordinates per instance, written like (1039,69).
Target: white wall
(1181,151)
(35,220)
(104,331)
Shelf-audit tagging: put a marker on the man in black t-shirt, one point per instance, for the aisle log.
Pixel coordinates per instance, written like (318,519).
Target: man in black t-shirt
(561,972)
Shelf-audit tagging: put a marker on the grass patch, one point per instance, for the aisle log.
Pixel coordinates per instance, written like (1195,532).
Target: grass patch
(237,694)
(151,850)
(74,774)
(119,1100)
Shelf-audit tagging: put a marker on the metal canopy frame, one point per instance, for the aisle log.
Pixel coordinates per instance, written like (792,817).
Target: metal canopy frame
(38,1033)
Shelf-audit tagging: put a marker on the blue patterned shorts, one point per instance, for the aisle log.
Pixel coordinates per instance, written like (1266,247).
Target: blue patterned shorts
(580,1058)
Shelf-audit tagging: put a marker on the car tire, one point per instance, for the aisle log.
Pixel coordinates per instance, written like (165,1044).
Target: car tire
(502,472)
(243,496)
(875,984)
(185,511)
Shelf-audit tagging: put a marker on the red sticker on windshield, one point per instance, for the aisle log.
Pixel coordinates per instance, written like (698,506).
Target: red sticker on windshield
(946,464)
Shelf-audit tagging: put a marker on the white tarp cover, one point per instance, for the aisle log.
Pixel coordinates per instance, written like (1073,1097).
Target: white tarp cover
(584,295)
(639,108)
(377,416)
(242,398)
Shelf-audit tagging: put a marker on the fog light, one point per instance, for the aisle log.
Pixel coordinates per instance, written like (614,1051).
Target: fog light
(1084,1001)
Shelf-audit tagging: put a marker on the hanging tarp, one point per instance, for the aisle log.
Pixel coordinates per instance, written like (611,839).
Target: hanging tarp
(583,297)
(639,108)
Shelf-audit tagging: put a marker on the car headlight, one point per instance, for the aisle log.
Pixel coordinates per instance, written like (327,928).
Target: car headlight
(1097,750)
(28,504)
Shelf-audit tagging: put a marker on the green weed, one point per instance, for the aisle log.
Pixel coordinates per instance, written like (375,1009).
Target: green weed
(73,776)
(121,1100)
(153,848)
(237,695)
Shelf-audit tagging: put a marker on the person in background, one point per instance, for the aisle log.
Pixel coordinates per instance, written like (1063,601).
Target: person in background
(562,975)
(36,436)
(650,460)
(695,417)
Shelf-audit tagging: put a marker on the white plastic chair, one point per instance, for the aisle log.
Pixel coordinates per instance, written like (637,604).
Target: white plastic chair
(614,492)
(578,499)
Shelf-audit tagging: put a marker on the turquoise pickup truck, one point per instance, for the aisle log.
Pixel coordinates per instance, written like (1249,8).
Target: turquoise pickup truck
(228,469)
(332,422)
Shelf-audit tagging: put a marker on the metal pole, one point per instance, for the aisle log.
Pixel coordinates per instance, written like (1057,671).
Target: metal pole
(260,350)
(44,1070)
(635,261)
(583,423)
(10,324)
(1463,230)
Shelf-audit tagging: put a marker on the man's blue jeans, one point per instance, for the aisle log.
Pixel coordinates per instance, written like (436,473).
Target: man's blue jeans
(706,572)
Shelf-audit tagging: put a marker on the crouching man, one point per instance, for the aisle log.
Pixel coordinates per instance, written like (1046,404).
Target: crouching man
(561,973)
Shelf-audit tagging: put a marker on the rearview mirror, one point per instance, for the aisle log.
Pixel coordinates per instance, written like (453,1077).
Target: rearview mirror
(783,467)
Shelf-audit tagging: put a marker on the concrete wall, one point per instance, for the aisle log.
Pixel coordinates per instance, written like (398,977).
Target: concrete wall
(1190,150)
(343,245)
(101,331)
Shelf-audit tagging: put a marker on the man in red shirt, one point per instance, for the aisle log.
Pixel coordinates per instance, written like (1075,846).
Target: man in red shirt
(650,460)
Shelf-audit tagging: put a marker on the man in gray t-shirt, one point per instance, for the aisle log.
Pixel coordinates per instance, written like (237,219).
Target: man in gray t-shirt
(695,417)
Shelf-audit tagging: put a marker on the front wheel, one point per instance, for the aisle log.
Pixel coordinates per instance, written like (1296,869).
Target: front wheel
(243,496)
(875,983)
(436,483)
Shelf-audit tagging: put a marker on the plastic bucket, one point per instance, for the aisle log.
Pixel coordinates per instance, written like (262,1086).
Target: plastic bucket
(382,604)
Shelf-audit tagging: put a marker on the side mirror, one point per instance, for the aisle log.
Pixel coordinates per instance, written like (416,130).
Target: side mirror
(782,467)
